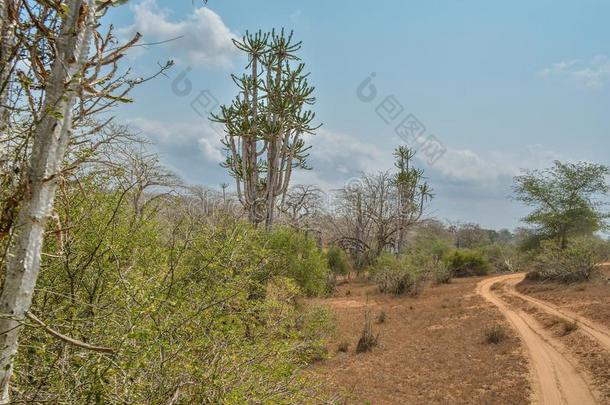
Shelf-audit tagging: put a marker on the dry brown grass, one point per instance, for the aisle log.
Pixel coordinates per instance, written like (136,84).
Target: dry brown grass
(434,337)
(368,339)
(343,347)
(495,334)
(568,327)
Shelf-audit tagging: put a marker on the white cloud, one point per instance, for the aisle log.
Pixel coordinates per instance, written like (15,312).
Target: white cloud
(465,165)
(205,39)
(337,157)
(345,152)
(593,73)
(199,139)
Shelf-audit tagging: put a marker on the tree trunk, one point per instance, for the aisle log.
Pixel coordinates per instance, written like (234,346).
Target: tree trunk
(271,182)
(564,241)
(51,137)
(7,54)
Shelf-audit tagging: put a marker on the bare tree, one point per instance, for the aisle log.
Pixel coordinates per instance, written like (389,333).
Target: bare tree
(351,220)
(375,213)
(302,204)
(469,235)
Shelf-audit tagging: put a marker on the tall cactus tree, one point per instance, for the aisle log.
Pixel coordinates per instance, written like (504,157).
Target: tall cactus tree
(265,123)
(412,194)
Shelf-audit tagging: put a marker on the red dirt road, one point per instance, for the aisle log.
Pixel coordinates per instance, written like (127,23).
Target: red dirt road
(557,379)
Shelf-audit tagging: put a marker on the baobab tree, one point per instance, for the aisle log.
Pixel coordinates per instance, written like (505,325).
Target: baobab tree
(266,122)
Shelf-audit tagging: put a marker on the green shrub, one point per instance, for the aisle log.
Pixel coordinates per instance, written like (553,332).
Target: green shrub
(467,263)
(363,261)
(338,264)
(297,256)
(504,257)
(175,297)
(337,261)
(577,262)
(439,248)
(394,276)
(440,273)
(431,265)
(314,324)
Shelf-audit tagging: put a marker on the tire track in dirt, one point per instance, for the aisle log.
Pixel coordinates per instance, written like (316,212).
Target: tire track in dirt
(555,379)
(597,332)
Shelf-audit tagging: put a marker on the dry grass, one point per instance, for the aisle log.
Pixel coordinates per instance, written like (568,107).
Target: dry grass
(423,344)
(495,334)
(343,347)
(591,299)
(368,339)
(568,327)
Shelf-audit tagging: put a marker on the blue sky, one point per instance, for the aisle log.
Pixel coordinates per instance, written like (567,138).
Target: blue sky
(502,86)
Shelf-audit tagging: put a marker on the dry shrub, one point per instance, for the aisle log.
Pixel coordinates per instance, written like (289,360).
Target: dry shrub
(441,273)
(343,347)
(368,340)
(495,334)
(381,318)
(576,263)
(394,276)
(568,327)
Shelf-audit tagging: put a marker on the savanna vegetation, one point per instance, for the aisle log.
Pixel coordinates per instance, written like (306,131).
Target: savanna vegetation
(568,212)
(123,284)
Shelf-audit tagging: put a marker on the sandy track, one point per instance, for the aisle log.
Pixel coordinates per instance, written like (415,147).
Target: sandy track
(556,380)
(594,330)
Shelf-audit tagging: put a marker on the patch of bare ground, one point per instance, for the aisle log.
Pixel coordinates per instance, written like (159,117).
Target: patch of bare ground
(431,349)
(589,299)
(592,358)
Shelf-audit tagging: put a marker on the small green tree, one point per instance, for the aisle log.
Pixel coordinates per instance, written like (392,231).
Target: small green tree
(337,261)
(296,256)
(467,263)
(566,199)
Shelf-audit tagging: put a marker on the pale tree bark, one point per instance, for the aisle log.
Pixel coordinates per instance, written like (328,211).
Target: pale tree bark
(51,137)
(7,54)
